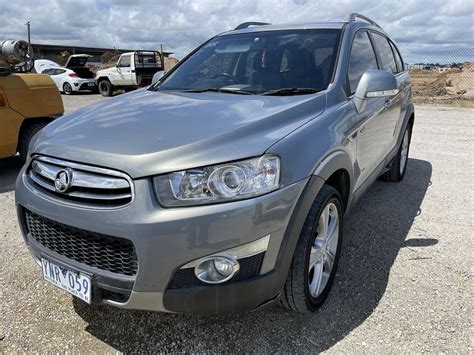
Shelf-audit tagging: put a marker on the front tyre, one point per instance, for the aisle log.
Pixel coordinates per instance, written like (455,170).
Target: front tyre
(398,165)
(316,255)
(105,88)
(67,89)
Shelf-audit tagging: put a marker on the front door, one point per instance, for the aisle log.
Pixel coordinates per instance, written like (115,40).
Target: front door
(371,126)
(124,71)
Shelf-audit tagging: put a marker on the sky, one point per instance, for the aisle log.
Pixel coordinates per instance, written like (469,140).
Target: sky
(419,27)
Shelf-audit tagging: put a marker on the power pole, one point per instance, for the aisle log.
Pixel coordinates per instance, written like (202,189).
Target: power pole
(28,24)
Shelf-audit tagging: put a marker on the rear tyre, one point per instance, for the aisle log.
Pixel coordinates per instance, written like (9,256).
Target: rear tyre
(398,165)
(67,89)
(26,136)
(316,255)
(105,88)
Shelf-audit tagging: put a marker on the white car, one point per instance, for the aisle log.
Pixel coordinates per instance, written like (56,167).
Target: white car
(74,76)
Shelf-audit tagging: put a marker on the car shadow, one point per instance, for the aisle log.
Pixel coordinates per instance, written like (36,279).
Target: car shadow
(9,169)
(375,231)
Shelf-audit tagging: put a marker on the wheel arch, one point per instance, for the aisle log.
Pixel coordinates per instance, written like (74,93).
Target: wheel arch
(336,169)
(340,180)
(102,78)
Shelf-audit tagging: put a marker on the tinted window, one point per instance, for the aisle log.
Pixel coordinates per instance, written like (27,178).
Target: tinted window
(398,59)
(386,55)
(362,59)
(260,61)
(124,61)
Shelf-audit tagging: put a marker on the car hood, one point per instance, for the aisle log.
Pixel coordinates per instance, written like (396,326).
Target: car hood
(146,133)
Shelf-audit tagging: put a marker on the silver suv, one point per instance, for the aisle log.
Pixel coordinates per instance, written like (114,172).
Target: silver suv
(222,187)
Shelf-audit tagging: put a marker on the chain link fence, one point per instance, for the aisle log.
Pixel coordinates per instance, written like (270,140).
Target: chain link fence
(445,74)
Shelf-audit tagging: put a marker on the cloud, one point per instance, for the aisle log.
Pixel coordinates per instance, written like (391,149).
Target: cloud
(181,25)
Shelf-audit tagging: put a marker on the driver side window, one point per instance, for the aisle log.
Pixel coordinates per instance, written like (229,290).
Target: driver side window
(124,62)
(362,59)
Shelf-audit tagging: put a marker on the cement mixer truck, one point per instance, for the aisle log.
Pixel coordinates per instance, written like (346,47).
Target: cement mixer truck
(28,101)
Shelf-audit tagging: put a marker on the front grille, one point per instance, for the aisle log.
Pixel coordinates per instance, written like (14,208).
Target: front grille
(85,185)
(97,250)
(249,267)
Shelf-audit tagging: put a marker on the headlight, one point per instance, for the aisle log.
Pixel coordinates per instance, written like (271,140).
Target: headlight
(219,183)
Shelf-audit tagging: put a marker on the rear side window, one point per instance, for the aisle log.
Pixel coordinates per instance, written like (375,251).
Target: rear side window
(386,54)
(362,59)
(146,59)
(56,71)
(398,59)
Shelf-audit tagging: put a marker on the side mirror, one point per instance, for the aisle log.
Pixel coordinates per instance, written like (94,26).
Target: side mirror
(158,75)
(374,83)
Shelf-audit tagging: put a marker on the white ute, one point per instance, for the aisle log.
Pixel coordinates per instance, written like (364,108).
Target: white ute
(133,70)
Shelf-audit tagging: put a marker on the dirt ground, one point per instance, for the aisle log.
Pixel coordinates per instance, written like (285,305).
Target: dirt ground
(404,283)
(453,86)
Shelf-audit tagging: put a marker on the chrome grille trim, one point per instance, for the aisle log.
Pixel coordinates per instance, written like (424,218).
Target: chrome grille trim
(90,186)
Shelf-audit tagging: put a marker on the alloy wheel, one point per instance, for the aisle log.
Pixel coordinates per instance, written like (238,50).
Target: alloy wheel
(67,89)
(323,250)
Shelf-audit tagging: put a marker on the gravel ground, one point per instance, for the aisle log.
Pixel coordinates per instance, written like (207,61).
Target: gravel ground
(404,282)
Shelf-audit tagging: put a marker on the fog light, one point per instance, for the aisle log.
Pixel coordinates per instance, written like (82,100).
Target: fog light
(216,269)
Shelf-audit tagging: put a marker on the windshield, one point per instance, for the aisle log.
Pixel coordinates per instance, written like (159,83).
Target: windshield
(259,63)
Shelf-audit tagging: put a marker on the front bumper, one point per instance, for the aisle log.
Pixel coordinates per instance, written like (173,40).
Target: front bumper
(167,238)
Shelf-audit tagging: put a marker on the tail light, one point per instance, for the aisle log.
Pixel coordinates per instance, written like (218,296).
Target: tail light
(72,75)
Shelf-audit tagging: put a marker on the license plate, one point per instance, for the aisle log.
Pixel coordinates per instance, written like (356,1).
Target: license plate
(76,283)
(91,84)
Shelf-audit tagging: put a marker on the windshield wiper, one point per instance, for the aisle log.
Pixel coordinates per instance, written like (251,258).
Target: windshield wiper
(226,91)
(290,91)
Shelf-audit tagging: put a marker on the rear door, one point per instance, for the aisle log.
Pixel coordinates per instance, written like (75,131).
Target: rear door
(404,82)
(392,105)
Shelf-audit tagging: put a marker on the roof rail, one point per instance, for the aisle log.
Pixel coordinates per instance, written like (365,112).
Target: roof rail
(248,24)
(355,16)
